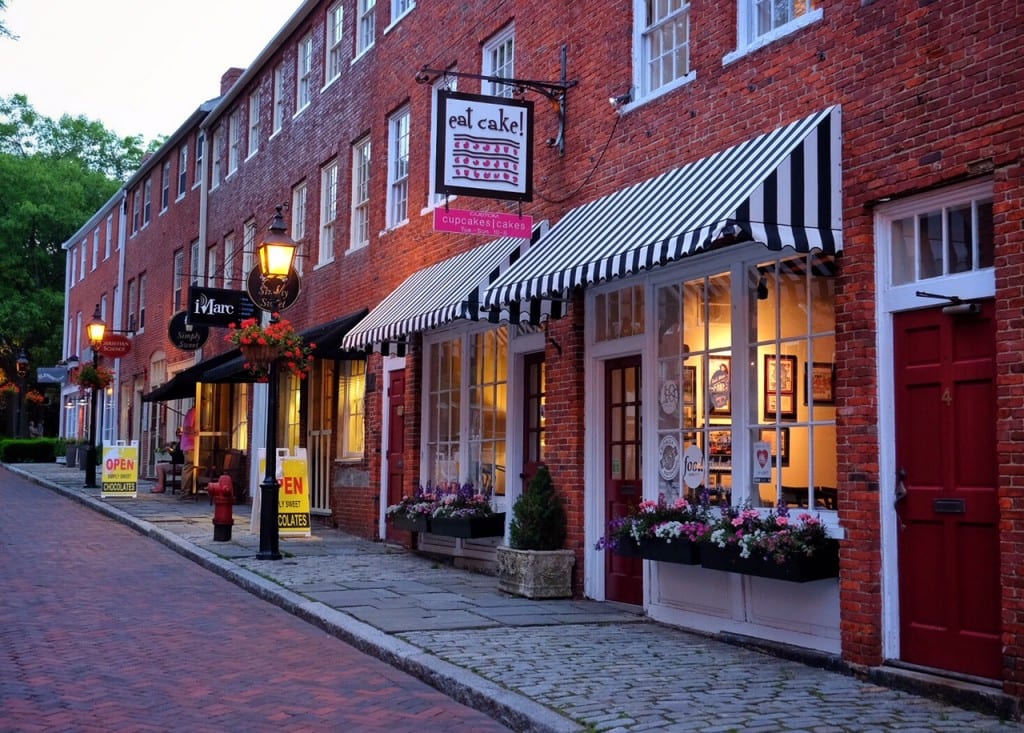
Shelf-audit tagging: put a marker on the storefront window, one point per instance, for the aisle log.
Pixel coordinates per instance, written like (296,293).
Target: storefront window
(476,397)
(762,427)
(620,313)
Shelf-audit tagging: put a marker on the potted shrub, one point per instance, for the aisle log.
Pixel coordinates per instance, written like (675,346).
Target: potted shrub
(535,564)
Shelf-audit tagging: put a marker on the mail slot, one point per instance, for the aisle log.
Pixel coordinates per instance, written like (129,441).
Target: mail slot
(627,490)
(949,506)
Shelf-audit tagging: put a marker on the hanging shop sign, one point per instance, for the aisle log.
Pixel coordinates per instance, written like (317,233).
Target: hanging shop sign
(51,375)
(120,469)
(186,335)
(272,295)
(490,223)
(114,345)
(484,146)
(218,307)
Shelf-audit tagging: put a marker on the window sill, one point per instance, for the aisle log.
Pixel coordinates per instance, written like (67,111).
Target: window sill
(659,92)
(781,32)
(323,264)
(360,55)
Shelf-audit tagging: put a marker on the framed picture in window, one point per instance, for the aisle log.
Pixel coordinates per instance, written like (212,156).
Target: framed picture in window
(689,396)
(779,451)
(821,382)
(779,387)
(720,450)
(719,385)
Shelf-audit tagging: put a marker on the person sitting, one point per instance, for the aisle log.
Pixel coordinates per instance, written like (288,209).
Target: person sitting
(34,431)
(164,467)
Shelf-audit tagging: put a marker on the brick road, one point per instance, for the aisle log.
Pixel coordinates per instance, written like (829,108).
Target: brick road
(105,630)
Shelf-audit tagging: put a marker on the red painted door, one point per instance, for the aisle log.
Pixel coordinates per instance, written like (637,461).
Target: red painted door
(948,519)
(623,487)
(533,415)
(395,448)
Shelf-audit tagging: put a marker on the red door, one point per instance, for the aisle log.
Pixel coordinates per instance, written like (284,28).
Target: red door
(948,520)
(395,448)
(623,487)
(533,415)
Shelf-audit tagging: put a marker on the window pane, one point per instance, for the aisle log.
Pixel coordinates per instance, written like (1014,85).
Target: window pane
(960,252)
(986,237)
(930,245)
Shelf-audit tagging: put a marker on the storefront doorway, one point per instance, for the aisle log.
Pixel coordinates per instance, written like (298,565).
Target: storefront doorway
(948,535)
(623,470)
(394,450)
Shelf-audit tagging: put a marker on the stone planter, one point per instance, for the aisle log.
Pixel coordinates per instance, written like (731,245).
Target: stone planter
(420,523)
(798,569)
(536,573)
(469,528)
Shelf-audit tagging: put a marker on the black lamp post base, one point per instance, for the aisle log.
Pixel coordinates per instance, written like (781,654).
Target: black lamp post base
(269,536)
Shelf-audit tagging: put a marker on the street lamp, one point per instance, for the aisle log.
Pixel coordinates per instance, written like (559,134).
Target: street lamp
(95,330)
(275,254)
(21,366)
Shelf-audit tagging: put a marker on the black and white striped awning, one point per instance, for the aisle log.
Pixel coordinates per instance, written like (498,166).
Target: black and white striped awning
(782,189)
(439,294)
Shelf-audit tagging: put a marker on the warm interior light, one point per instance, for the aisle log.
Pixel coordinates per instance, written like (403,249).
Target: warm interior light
(276,251)
(96,328)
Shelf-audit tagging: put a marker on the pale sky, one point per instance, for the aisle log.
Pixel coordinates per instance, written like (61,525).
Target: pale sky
(137,66)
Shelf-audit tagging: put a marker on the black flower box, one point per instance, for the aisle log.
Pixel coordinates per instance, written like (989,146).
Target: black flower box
(797,569)
(627,548)
(469,528)
(420,523)
(680,551)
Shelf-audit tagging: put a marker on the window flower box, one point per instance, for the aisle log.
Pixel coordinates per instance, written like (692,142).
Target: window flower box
(469,527)
(408,523)
(795,568)
(680,550)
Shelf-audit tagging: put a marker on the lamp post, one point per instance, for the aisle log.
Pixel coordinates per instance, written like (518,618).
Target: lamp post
(275,254)
(21,366)
(95,331)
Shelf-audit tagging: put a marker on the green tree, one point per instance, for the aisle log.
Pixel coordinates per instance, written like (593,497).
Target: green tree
(54,175)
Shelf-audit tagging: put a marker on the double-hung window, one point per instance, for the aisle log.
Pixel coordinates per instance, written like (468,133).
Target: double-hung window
(197,173)
(95,248)
(328,211)
(304,74)
(234,140)
(136,215)
(147,204)
(662,39)
(108,237)
(361,193)
(142,304)
(229,260)
(760,22)
(218,139)
(278,99)
(178,281)
(182,170)
(299,223)
(334,33)
(165,186)
(398,168)
(400,8)
(254,123)
(351,409)
(365,35)
(248,247)
(499,60)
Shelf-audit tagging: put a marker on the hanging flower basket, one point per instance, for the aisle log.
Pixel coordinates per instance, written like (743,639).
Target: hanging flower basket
(94,377)
(259,353)
(35,397)
(260,345)
(8,388)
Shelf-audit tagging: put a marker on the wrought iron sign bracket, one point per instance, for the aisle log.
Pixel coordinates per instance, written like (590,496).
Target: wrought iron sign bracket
(554,91)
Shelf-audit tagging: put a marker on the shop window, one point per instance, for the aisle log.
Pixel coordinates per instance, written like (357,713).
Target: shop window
(745,383)
(619,313)
(467,384)
(351,410)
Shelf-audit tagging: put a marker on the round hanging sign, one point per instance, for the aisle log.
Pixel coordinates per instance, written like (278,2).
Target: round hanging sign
(271,295)
(184,335)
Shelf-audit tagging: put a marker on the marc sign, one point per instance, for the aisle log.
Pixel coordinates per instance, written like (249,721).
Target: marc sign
(217,306)
(115,345)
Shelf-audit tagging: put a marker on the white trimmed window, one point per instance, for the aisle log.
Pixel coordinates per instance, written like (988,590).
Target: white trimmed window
(182,170)
(499,60)
(248,247)
(195,263)
(351,409)
(85,257)
(662,40)
(108,237)
(400,8)
(328,211)
(211,266)
(136,211)
(254,123)
(218,139)
(142,304)
(333,33)
(229,260)
(278,99)
(367,26)
(760,22)
(299,222)
(234,141)
(178,283)
(361,193)
(304,74)
(95,248)
(133,322)
(465,384)
(147,203)
(197,173)
(398,169)
(165,186)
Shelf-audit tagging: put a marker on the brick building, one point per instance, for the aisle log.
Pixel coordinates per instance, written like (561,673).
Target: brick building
(790,223)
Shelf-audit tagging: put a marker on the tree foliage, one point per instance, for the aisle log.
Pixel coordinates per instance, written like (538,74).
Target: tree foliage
(54,175)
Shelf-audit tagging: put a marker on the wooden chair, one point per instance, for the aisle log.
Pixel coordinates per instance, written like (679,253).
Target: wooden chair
(231,463)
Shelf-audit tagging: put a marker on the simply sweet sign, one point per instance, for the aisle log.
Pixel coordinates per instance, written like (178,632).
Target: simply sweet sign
(484,146)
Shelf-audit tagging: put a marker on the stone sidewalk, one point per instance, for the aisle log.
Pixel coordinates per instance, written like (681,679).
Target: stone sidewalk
(567,665)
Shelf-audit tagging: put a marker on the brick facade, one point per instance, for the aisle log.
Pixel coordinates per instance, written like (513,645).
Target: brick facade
(930,96)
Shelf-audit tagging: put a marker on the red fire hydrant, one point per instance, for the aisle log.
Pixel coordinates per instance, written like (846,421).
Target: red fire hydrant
(222,492)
